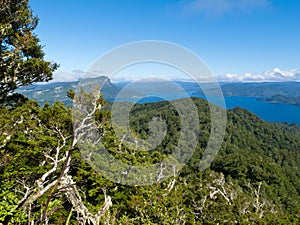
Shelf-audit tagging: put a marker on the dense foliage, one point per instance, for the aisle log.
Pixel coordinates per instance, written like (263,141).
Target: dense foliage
(21,54)
(254,179)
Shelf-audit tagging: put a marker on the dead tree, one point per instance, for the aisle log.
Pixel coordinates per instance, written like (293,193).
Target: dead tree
(64,183)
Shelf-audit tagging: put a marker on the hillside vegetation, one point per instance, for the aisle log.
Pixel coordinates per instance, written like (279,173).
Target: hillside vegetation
(255,178)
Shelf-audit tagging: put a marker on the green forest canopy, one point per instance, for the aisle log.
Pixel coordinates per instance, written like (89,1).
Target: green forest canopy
(258,160)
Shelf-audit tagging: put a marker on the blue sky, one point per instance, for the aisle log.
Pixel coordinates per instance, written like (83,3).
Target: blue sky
(238,39)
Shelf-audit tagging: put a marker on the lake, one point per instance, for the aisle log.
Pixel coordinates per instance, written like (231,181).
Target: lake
(266,111)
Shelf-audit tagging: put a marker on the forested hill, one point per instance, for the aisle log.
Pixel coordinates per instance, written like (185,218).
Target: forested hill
(253,152)
(255,178)
(266,89)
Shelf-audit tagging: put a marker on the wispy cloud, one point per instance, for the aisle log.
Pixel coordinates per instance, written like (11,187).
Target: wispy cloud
(275,75)
(67,77)
(75,75)
(217,8)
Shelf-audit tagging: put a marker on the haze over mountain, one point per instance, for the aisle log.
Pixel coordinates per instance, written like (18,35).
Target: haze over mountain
(274,75)
(55,91)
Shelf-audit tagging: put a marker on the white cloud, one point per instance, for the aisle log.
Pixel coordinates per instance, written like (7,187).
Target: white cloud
(217,8)
(67,77)
(275,75)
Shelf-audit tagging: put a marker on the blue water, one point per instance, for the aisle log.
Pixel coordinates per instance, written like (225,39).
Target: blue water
(265,110)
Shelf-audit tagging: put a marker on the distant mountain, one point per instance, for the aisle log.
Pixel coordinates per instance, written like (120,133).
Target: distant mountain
(277,92)
(52,92)
(265,89)
(49,92)
(290,89)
